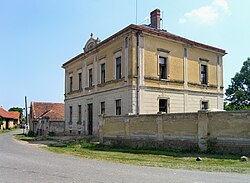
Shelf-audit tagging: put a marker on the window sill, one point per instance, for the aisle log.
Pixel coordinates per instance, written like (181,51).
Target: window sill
(90,88)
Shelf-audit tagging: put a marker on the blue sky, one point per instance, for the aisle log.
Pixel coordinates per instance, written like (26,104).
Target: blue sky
(38,36)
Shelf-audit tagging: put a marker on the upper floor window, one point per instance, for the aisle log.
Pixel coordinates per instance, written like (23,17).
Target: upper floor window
(103,73)
(203,74)
(163,105)
(118,68)
(80,80)
(70,114)
(118,107)
(163,67)
(71,83)
(90,78)
(102,107)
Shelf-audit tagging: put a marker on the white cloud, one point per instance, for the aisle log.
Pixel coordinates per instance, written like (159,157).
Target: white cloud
(221,3)
(206,14)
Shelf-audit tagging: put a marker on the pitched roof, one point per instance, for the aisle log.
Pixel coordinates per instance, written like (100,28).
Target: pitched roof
(150,30)
(53,111)
(53,116)
(15,114)
(9,115)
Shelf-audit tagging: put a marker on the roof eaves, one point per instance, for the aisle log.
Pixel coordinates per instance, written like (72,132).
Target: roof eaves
(99,44)
(176,38)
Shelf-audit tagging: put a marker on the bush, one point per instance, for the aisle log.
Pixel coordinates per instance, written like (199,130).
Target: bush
(31,134)
(51,134)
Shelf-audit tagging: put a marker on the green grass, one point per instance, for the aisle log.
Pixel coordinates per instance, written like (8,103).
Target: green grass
(24,137)
(8,130)
(154,158)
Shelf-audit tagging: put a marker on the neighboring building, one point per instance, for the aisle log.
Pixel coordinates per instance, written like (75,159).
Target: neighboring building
(46,117)
(141,69)
(9,119)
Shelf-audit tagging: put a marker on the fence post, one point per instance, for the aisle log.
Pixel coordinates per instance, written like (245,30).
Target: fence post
(202,130)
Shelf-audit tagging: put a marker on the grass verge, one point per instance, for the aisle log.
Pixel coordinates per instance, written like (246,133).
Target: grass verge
(24,137)
(153,158)
(8,130)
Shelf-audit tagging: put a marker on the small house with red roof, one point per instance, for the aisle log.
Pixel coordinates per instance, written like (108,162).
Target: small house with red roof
(46,118)
(8,119)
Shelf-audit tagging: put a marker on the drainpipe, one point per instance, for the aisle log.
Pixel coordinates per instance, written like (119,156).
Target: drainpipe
(137,72)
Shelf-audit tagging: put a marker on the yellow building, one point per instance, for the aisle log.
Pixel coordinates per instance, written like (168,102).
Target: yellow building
(141,69)
(8,119)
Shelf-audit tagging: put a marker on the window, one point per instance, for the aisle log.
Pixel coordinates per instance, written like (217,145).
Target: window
(118,68)
(204,105)
(103,73)
(80,80)
(71,84)
(163,105)
(79,113)
(163,68)
(102,107)
(203,74)
(90,78)
(70,114)
(118,107)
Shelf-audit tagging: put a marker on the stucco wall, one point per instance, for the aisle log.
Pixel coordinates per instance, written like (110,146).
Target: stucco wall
(223,132)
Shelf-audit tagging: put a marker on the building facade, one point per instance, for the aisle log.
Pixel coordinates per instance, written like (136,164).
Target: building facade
(142,69)
(9,119)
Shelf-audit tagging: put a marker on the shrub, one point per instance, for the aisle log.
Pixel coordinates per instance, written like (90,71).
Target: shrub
(51,134)
(31,134)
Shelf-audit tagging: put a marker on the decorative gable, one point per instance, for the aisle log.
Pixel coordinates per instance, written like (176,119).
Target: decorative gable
(91,43)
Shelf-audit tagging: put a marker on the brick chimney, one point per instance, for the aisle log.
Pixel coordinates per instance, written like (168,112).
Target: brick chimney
(155,18)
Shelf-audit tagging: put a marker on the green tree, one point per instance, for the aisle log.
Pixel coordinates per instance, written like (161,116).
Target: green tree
(1,121)
(18,109)
(238,93)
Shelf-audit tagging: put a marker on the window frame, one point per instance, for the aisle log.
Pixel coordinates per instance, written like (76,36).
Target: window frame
(90,77)
(204,74)
(80,81)
(118,107)
(102,73)
(166,105)
(71,83)
(70,114)
(165,54)
(206,106)
(102,107)
(79,113)
(118,70)
(161,73)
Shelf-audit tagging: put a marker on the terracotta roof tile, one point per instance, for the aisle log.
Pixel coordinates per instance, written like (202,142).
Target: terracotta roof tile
(9,115)
(55,111)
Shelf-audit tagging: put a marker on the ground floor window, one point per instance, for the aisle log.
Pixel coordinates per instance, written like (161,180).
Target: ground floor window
(163,105)
(102,107)
(204,105)
(118,107)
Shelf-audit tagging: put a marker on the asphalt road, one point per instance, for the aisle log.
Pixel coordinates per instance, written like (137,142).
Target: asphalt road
(25,163)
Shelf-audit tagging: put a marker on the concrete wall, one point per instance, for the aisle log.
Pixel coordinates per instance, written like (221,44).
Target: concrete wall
(57,127)
(221,132)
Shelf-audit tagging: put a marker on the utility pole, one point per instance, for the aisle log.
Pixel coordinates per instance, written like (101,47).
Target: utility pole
(26,113)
